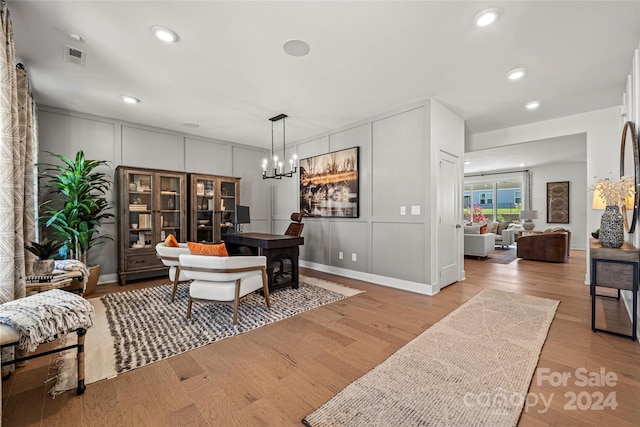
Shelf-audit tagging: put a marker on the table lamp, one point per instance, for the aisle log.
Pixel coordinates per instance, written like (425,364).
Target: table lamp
(528,215)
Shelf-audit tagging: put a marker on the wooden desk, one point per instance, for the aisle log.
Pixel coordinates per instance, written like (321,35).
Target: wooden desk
(275,247)
(615,268)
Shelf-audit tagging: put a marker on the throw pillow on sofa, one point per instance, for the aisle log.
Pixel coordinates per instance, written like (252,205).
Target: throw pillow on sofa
(501,227)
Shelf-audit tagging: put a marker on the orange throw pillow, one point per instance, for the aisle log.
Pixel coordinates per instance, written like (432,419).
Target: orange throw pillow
(204,249)
(483,229)
(171,241)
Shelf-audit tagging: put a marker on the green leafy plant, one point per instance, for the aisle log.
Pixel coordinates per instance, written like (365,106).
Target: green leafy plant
(78,202)
(45,249)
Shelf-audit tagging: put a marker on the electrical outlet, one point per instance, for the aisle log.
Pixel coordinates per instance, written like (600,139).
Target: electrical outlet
(340,255)
(415,210)
(353,257)
(403,210)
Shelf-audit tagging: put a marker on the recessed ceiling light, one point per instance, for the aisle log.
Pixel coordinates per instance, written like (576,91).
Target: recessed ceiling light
(75,37)
(296,48)
(191,125)
(532,105)
(516,74)
(129,99)
(523,164)
(467,162)
(486,17)
(165,34)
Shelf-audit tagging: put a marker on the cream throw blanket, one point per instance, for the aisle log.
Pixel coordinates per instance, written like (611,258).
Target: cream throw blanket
(43,317)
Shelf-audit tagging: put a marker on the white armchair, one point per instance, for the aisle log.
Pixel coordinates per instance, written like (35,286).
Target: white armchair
(224,279)
(169,257)
(506,238)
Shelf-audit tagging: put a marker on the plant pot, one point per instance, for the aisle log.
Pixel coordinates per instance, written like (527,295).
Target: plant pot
(94,275)
(42,267)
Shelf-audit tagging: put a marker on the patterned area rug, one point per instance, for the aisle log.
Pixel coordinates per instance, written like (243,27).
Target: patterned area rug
(503,256)
(135,328)
(473,368)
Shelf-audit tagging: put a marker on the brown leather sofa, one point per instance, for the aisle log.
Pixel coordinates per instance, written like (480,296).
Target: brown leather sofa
(548,246)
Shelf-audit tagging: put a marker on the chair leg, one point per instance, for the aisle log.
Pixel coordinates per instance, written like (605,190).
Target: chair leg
(189,308)
(265,287)
(175,283)
(237,302)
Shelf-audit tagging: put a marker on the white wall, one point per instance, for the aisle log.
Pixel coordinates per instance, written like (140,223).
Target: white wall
(398,161)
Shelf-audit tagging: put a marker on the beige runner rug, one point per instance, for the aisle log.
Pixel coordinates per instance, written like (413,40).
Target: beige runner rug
(473,368)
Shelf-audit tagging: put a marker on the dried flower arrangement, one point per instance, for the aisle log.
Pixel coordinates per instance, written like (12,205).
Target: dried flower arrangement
(612,193)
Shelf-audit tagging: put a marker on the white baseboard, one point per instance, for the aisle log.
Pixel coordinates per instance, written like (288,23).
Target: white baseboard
(419,288)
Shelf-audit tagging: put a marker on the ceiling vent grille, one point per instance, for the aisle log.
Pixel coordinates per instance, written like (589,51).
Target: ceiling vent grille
(75,56)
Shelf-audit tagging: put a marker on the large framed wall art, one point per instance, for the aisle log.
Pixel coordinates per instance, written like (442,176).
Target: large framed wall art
(329,184)
(558,202)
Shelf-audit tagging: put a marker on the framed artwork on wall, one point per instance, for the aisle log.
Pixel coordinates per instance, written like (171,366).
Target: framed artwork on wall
(558,202)
(329,184)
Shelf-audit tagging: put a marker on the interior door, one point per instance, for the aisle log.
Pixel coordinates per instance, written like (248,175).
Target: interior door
(449,219)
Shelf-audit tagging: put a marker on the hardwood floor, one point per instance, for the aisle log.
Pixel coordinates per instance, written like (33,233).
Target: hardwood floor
(277,374)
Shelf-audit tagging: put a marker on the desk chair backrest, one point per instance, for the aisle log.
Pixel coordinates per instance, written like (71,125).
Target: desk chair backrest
(295,228)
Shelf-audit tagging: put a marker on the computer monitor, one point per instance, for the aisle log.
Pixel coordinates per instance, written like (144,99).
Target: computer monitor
(242,217)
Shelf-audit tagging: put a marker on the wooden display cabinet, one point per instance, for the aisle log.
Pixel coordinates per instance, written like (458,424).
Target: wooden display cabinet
(151,205)
(211,203)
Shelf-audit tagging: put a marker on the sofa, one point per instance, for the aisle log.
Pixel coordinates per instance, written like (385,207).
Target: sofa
(480,245)
(550,246)
(477,243)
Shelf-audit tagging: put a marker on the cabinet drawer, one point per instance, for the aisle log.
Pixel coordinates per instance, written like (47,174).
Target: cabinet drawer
(137,262)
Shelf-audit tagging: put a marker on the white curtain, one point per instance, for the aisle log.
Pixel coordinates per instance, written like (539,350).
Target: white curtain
(526,190)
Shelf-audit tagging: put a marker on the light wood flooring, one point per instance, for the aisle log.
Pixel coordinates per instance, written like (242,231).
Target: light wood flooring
(277,374)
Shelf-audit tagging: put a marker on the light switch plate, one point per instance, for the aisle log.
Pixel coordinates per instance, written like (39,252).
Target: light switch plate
(353,257)
(340,255)
(415,210)
(403,210)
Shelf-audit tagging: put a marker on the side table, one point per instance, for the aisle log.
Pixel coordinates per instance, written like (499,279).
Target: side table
(615,268)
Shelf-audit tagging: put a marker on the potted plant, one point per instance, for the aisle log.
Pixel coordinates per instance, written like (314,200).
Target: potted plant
(77,206)
(44,251)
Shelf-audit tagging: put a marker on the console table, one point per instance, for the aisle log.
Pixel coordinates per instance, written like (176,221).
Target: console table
(275,247)
(615,268)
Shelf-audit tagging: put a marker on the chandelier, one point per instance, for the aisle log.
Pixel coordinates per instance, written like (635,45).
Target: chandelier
(278,166)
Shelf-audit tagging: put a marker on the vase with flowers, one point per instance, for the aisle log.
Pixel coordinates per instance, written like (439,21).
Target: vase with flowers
(612,194)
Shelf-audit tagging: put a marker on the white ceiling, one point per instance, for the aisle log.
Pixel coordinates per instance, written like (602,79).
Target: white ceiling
(229,73)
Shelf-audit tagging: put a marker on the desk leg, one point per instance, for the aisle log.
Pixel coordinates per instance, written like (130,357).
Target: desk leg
(295,270)
(634,294)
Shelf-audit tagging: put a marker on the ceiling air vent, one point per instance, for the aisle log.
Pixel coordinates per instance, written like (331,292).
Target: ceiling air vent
(75,56)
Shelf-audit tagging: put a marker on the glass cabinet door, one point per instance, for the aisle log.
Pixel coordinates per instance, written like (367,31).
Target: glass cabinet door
(170,209)
(204,209)
(227,206)
(140,206)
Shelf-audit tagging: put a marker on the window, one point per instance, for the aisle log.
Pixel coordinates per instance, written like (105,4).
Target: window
(493,200)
